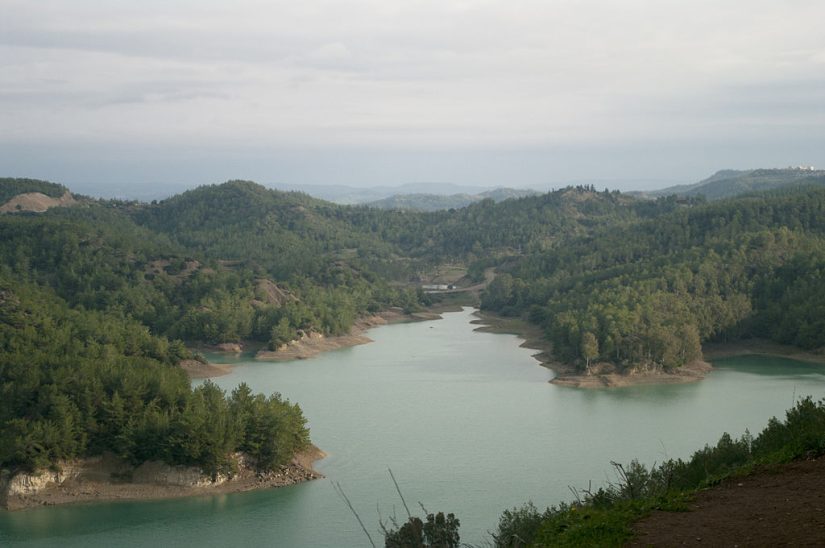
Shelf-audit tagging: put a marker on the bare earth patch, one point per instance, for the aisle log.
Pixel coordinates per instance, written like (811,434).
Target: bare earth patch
(781,506)
(36,202)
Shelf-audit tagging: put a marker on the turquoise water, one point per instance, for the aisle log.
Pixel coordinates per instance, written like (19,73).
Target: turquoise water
(466,421)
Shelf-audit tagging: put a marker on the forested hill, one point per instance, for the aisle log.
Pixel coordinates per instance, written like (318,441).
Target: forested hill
(487,230)
(291,234)
(95,299)
(235,261)
(287,233)
(77,382)
(647,294)
(109,289)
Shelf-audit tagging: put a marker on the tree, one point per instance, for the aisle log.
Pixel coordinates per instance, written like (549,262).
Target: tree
(282,333)
(589,348)
(439,531)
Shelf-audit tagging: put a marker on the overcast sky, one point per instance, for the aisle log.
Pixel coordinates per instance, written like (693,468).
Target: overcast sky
(386,92)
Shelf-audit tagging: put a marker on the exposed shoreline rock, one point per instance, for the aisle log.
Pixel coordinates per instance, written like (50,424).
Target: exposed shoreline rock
(309,344)
(761,347)
(691,372)
(107,478)
(312,343)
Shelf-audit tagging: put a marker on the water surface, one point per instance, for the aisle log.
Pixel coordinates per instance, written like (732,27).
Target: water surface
(466,421)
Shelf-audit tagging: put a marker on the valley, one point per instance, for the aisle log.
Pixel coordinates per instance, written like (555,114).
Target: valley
(109,307)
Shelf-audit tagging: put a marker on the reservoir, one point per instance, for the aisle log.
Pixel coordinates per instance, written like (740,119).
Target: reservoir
(466,421)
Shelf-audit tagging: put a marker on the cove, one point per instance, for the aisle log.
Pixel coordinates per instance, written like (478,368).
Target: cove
(466,420)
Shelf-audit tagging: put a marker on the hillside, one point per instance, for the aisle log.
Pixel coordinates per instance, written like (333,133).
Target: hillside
(730,183)
(645,295)
(777,506)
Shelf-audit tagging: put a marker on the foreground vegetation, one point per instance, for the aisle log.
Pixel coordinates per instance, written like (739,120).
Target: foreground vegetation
(604,517)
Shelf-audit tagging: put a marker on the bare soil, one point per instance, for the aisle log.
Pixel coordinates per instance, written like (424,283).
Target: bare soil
(777,506)
(36,202)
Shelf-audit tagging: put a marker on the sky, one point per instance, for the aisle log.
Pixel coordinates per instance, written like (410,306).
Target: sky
(640,94)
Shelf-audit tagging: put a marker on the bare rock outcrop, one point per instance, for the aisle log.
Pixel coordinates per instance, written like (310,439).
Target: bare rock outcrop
(110,478)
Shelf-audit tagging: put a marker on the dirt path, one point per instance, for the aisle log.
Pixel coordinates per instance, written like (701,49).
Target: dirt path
(779,507)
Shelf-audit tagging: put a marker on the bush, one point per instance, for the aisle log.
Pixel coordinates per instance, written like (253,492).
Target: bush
(439,531)
(802,433)
(518,527)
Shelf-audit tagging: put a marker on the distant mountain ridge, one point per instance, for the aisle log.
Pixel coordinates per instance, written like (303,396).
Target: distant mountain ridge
(350,195)
(435,202)
(727,183)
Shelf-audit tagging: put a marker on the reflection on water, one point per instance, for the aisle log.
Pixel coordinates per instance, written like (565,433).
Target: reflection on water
(771,366)
(466,420)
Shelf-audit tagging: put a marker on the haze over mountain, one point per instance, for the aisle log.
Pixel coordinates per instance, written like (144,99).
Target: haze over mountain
(434,202)
(431,196)
(344,194)
(357,193)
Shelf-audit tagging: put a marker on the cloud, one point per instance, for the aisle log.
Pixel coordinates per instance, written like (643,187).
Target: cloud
(419,73)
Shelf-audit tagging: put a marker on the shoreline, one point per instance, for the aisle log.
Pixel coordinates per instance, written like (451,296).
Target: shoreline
(313,344)
(567,375)
(532,337)
(95,480)
(199,370)
(692,372)
(759,347)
